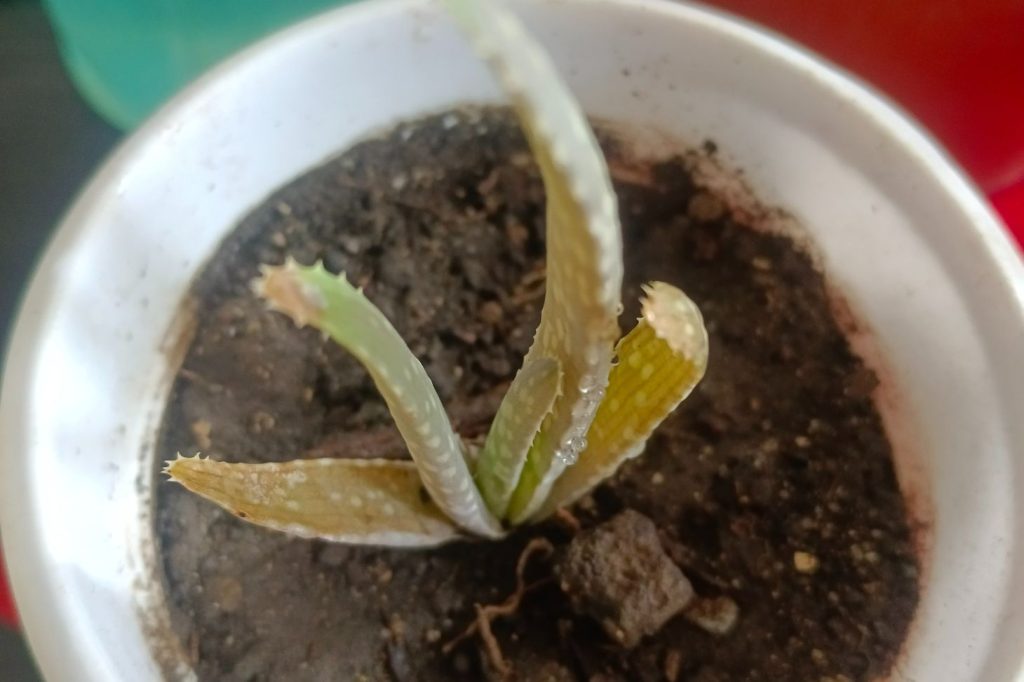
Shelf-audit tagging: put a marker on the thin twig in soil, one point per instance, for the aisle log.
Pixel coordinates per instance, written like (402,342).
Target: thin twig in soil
(639,176)
(488,184)
(485,615)
(530,287)
(538,274)
(521,297)
(568,520)
(196,378)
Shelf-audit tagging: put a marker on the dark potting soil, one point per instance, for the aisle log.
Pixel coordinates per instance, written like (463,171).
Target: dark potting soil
(773,485)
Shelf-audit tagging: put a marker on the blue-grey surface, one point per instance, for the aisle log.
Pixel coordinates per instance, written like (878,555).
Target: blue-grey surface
(49,143)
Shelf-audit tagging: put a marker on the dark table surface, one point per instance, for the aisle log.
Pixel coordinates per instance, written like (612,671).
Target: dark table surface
(50,142)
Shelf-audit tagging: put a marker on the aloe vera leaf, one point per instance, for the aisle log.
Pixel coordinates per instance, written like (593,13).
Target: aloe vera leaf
(578,325)
(519,418)
(659,363)
(356,501)
(311,295)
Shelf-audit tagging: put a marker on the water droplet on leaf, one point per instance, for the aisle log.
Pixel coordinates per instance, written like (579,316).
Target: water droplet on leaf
(570,453)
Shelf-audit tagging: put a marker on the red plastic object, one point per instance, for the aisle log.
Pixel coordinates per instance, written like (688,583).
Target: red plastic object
(1010,204)
(957,65)
(8,617)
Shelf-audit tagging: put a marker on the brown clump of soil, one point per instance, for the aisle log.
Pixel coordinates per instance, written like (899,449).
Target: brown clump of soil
(620,574)
(772,486)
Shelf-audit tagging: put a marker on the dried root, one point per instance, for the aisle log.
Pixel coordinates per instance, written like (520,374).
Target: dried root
(567,520)
(485,615)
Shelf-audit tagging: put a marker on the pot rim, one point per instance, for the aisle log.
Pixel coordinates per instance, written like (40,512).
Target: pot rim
(36,588)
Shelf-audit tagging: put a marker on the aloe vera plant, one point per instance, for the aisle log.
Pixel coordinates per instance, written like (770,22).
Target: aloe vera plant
(583,402)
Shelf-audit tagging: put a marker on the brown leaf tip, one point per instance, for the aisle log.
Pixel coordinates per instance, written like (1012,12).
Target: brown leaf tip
(284,291)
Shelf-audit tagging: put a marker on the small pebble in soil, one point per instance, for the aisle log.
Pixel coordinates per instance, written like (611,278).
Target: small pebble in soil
(805,562)
(619,574)
(491,312)
(201,429)
(717,615)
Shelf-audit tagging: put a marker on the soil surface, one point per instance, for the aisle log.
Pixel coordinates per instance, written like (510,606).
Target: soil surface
(772,485)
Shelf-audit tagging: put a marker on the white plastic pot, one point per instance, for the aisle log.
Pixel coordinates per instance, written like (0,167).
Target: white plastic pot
(899,229)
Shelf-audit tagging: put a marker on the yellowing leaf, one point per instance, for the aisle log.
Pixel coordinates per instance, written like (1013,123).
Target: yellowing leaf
(368,501)
(578,325)
(311,295)
(659,364)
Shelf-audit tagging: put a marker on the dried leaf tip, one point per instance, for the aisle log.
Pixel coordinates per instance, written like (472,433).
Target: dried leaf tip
(171,465)
(675,319)
(285,291)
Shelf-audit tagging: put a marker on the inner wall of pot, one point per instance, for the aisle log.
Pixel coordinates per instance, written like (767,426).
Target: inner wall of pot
(640,148)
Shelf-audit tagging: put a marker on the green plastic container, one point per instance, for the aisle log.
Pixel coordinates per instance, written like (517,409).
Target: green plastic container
(128,56)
